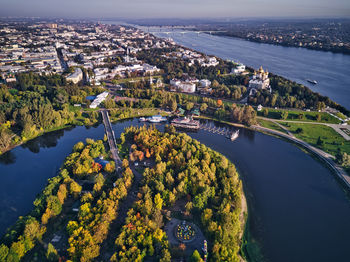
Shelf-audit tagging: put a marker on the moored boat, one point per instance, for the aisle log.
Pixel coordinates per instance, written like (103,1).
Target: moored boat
(156,119)
(234,135)
(314,82)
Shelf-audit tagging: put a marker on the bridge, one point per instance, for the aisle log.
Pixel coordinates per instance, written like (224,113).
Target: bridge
(111,139)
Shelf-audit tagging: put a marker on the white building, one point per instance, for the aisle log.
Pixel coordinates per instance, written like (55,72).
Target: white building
(211,61)
(204,83)
(187,87)
(240,68)
(182,86)
(260,80)
(76,76)
(99,99)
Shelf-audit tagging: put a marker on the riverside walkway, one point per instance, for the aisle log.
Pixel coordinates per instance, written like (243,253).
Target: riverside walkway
(111,138)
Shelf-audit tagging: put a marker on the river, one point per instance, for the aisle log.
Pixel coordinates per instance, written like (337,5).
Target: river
(330,70)
(298,211)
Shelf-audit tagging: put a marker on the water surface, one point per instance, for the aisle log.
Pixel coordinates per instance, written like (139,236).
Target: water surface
(330,70)
(298,211)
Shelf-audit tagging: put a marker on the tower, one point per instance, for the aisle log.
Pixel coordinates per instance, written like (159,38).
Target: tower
(150,80)
(127,59)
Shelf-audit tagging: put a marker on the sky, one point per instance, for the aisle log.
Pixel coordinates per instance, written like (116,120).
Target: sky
(174,8)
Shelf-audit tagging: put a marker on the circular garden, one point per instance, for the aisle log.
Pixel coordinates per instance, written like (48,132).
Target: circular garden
(184,232)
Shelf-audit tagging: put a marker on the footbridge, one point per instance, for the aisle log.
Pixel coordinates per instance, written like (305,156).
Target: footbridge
(111,139)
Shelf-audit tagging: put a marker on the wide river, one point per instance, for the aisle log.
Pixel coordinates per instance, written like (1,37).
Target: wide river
(298,211)
(330,70)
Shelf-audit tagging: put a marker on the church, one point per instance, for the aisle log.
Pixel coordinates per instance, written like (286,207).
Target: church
(259,81)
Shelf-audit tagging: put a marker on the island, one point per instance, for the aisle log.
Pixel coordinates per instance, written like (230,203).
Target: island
(171,198)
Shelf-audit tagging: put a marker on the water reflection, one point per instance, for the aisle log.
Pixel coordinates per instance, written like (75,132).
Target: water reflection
(45,141)
(8,158)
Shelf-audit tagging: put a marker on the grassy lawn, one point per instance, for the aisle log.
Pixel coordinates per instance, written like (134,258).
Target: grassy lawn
(271,125)
(307,116)
(310,133)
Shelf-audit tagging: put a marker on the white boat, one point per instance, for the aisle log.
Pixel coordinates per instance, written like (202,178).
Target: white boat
(234,135)
(156,119)
(314,82)
(142,119)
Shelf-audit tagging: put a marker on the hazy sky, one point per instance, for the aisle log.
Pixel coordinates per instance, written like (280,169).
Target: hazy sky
(175,8)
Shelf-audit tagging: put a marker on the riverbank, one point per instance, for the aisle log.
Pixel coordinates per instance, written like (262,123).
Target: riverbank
(325,157)
(74,123)
(276,188)
(295,64)
(294,45)
(84,121)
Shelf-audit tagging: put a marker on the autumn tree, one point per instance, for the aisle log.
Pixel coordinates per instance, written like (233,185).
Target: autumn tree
(219,103)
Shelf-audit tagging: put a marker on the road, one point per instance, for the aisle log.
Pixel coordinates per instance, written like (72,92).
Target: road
(111,138)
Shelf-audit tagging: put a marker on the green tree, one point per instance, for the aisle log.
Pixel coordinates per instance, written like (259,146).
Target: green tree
(4,250)
(51,253)
(158,201)
(78,147)
(196,257)
(203,107)
(173,105)
(318,117)
(284,114)
(265,112)
(189,106)
(32,229)
(319,141)
(54,205)
(343,159)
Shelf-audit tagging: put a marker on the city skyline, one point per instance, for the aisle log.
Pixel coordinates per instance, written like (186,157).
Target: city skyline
(178,9)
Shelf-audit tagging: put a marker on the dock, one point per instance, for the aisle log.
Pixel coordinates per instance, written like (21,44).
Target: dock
(215,130)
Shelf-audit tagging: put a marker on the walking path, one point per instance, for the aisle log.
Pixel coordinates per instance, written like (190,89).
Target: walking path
(107,249)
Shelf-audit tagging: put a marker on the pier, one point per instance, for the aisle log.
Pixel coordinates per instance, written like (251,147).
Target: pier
(111,139)
(215,130)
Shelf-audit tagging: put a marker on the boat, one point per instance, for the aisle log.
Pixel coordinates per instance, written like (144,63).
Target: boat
(234,135)
(314,82)
(142,119)
(186,123)
(156,119)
